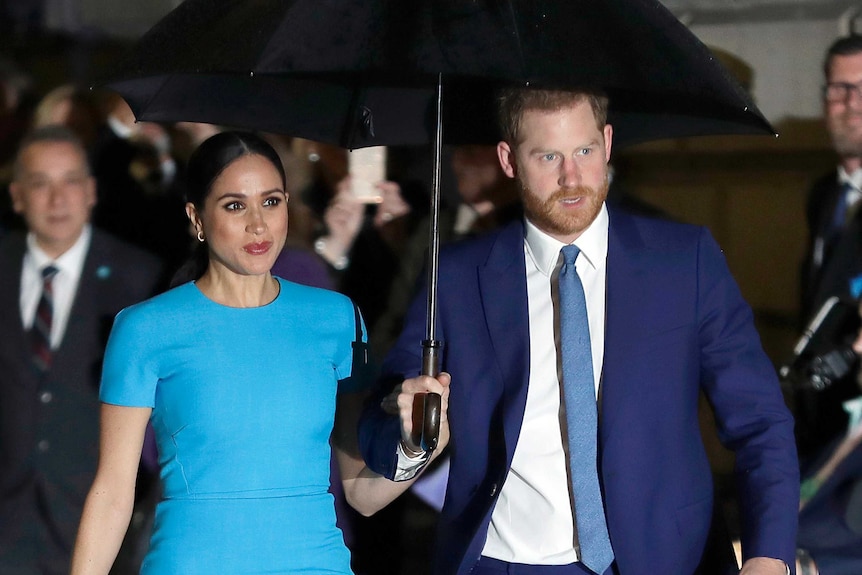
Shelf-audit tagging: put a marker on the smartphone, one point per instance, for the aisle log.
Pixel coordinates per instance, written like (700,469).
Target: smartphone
(367,167)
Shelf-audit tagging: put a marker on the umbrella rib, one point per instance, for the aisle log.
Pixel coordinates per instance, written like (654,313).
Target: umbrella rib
(517,31)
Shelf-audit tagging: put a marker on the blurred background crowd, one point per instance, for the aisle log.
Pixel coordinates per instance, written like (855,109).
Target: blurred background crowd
(752,193)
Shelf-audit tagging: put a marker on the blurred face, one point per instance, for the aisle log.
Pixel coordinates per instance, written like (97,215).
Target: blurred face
(244,217)
(54,193)
(843,108)
(476,172)
(562,168)
(60,113)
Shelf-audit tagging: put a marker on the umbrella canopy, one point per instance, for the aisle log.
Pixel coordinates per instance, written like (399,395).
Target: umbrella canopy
(358,73)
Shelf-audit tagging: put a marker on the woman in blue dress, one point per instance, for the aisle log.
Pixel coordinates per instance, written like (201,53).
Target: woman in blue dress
(245,378)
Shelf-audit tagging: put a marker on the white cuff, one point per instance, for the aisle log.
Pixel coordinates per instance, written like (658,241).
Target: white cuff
(409,466)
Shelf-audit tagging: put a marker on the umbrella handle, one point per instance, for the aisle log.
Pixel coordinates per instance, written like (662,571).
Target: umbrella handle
(426,420)
(427,406)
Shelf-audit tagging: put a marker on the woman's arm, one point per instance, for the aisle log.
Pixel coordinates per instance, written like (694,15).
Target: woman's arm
(366,491)
(108,508)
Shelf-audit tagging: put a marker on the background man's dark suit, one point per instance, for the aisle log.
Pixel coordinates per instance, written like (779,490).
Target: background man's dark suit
(819,414)
(819,277)
(49,426)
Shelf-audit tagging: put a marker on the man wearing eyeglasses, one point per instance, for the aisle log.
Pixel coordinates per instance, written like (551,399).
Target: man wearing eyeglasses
(835,225)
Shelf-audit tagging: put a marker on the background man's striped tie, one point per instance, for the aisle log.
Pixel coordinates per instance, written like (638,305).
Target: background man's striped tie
(41,332)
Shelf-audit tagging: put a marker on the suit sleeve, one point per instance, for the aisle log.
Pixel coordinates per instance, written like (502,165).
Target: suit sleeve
(753,420)
(379,432)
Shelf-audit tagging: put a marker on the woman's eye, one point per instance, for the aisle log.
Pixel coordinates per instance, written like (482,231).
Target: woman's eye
(233,206)
(271,201)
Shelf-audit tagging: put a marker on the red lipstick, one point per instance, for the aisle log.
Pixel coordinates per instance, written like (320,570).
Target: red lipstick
(256,248)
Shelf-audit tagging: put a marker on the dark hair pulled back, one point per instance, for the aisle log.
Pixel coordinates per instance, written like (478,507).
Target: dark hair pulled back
(205,165)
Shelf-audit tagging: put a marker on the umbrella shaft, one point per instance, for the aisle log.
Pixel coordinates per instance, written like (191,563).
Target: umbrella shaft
(434,232)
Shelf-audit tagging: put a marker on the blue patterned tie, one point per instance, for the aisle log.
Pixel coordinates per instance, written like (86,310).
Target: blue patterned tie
(41,331)
(582,417)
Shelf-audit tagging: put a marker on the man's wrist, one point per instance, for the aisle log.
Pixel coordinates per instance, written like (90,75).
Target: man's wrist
(410,452)
(409,466)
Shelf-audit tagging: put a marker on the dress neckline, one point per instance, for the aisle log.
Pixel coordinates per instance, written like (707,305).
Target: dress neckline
(211,301)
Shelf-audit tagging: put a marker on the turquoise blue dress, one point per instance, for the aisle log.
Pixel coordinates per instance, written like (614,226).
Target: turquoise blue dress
(243,405)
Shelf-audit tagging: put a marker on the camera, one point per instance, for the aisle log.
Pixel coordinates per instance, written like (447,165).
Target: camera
(824,370)
(824,353)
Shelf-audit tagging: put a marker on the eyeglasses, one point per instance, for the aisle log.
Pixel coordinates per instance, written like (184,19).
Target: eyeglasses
(839,92)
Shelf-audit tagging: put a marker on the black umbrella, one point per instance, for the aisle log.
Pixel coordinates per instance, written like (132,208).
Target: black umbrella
(358,73)
(364,72)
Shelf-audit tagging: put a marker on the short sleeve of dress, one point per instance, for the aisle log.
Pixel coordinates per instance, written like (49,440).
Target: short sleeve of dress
(354,370)
(129,373)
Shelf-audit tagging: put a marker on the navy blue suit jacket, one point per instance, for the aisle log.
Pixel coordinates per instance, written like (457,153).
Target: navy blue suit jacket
(676,323)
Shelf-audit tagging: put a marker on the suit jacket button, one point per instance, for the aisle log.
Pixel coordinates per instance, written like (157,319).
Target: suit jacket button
(46,397)
(493,490)
(44,445)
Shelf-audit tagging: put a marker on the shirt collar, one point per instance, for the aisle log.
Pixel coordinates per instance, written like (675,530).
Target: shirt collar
(593,243)
(71,261)
(854,179)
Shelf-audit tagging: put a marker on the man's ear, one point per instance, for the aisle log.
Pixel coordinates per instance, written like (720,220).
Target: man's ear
(16,193)
(506,156)
(609,136)
(92,192)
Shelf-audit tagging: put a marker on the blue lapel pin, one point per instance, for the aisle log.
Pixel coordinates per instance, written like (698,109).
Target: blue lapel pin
(856,286)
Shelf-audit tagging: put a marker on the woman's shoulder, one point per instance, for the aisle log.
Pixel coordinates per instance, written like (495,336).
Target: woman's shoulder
(297,292)
(167,303)
(316,302)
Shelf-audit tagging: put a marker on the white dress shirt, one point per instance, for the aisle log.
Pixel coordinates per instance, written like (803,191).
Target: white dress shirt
(532,522)
(854,179)
(854,195)
(65,283)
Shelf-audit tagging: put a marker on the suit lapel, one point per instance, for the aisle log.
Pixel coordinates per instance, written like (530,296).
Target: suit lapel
(88,306)
(504,301)
(626,316)
(13,249)
(822,247)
